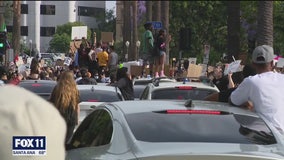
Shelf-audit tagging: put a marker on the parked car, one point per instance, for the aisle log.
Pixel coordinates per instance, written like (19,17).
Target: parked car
(93,95)
(140,84)
(42,88)
(177,129)
(178,90)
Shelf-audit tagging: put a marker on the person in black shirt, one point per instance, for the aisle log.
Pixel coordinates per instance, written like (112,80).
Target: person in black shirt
(219,79)
(223,96)
(85,78)
(124,83)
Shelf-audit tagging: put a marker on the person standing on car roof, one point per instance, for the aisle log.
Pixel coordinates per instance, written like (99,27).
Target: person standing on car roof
(65,97)
(147,47)
(264,90)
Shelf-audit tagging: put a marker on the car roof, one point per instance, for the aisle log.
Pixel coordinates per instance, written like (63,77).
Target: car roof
(145,81)
(38,81)
(129,107)
(98,87)
(193,84)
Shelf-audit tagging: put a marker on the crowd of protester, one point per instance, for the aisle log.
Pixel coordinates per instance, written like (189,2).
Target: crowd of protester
(90,64)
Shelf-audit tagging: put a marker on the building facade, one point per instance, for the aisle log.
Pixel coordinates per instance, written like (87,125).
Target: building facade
(39,19)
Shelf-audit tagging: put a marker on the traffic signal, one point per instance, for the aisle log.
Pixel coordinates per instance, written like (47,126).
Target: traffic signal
(3,39)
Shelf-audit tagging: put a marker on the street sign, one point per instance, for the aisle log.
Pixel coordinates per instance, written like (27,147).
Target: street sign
(157,25)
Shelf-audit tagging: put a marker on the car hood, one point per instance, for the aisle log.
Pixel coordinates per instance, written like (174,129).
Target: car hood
(206,151)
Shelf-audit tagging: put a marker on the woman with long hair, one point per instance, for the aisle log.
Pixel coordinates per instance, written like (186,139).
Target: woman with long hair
(65,97)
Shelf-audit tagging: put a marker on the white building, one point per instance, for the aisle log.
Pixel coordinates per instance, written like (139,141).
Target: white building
(39,19)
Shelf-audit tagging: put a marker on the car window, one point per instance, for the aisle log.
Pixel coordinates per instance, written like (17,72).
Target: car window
(144,95)
(95,130)
(163,127)
(38,87)
(173,93)
(98,96)
(138,89)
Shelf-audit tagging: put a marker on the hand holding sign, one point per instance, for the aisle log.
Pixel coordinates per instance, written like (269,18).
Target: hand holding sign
(233,67)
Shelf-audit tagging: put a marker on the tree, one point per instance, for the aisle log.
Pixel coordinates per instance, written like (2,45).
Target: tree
(60,41)
(207,24)
(265,23)
(233,29)
(165,21)
(134,56)
(16,27)
(149,10)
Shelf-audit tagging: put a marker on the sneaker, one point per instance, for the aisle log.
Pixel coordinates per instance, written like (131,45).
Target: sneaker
(162,74)
(157,75)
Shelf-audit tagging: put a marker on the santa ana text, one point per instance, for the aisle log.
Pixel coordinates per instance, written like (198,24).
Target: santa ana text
(29,152)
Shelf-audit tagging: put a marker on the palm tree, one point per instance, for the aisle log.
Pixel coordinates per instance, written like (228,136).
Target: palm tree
(135,31)
(149,10)
(165,5)
(156,16)
(265,23)
(16,27)
(234,24)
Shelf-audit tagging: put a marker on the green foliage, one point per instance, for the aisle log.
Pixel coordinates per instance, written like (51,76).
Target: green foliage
(106,23)
(8,15)
(278,19)
(67,29)
(62,37)
(207,23)
(60,43)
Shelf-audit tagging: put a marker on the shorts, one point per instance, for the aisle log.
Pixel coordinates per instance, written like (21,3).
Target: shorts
(147,59)
(162,52)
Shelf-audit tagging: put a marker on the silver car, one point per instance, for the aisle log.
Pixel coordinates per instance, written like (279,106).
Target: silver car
(177,129)
(178,90)
(95,95)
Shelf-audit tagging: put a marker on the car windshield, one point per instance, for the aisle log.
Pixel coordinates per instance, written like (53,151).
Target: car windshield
(38,87)
(227,128)
(98,96)
(175,93)
(138,89)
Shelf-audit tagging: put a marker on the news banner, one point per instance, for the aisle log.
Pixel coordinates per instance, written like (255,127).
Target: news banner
(29,146)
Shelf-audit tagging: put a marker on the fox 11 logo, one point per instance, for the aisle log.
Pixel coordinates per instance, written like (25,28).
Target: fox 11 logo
(29,146)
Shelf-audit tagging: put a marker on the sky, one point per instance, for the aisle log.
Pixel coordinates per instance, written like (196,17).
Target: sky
(111,5)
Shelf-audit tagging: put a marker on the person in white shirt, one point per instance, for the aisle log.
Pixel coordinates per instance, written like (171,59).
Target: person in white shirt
(112,63)
(264,90)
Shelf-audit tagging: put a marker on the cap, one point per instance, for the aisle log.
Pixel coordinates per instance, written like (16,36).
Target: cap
(30,115)
(263,54)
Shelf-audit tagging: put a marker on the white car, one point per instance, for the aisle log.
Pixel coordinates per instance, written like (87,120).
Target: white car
(140,84)
(174,130)
(178,90)
(93,95)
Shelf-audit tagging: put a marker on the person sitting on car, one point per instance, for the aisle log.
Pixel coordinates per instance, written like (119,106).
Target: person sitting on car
(85,78)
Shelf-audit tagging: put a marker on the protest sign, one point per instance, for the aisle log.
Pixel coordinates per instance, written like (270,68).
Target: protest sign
(78,32)
(233,67)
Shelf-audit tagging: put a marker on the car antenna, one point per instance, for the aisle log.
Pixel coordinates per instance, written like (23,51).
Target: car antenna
(188,103)
(92,89)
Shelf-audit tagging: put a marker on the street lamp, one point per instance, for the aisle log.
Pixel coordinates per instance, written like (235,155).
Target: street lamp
(127,43)
(137,45)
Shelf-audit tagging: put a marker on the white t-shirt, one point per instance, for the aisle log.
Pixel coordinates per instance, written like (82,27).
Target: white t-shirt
(266,92)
